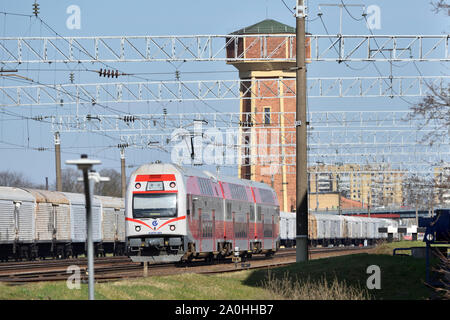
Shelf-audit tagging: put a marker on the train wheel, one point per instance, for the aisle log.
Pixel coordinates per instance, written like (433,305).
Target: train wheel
(209,259)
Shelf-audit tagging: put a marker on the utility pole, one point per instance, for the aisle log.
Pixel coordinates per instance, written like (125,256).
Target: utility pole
(58,161)
(301,138)
(123,172)
(339,194)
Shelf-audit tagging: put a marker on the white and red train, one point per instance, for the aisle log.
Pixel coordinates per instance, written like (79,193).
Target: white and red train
(175,213)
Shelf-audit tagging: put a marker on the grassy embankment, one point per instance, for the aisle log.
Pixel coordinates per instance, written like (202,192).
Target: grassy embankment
(329,278)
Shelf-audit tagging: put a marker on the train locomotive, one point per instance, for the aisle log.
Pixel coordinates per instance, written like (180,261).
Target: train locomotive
(178,214)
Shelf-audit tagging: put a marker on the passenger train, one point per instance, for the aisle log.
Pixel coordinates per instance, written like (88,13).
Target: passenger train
(170,213)
(177,214)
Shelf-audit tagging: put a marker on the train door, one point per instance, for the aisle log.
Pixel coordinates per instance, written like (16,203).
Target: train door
(234,229)
(200,230)
(226,219)
(248,231)
(273,229)
(16,219)
(53,221)
(213,231)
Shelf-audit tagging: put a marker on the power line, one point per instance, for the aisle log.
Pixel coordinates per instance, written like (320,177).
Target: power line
(287,6)
(345,7)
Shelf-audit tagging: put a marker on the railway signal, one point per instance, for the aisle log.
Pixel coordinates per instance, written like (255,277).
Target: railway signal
(85,165)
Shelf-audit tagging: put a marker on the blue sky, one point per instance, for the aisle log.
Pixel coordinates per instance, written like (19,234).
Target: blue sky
(101,17)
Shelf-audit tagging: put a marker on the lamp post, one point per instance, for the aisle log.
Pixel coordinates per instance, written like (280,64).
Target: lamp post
(85,165)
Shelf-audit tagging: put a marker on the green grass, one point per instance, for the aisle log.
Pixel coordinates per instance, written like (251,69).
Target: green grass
(401,277)
(344,277)
(388,248)
(185,286)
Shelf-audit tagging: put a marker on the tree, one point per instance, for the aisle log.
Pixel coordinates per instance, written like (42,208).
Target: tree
(434,109)
(69,180)
(14,179)
(113,187)
(441,5)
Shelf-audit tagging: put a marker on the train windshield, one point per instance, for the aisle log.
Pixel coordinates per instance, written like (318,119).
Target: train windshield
(154,205)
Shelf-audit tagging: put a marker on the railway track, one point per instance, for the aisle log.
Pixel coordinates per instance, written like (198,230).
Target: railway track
(116,268)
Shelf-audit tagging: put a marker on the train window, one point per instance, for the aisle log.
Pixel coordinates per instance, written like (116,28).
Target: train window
(205,186)
(252,213)
(238,192)
(259,213)
(154,205)
(229,215)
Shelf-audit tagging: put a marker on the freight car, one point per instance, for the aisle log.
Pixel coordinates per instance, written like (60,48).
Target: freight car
(327,229)
(177,214)
(41,223)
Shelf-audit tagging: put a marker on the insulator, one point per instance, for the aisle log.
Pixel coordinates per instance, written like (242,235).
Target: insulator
(129,118)
(101,72)
(35,9)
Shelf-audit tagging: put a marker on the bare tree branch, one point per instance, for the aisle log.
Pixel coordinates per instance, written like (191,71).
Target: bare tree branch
(434,109)
(440,5)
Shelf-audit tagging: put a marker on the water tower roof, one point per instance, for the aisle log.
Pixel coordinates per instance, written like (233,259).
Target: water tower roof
(267,26)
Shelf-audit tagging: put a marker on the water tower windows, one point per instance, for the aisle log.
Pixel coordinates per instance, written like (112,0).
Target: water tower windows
(266,115)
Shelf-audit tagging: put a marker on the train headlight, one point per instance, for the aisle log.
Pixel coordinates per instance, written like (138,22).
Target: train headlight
(137,228)
(172,184)
(172,227)
(137,185)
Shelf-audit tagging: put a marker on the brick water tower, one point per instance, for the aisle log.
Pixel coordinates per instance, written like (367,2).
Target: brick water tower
(264,54)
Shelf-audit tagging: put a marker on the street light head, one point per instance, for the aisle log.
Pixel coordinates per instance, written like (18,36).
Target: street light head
(83,163)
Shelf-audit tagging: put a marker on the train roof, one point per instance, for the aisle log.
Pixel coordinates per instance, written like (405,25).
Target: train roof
(80,198)
(48,196)
(195,172)
(15,194)
(111,202)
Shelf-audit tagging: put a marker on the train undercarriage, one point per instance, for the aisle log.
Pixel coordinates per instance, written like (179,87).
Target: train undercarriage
(167,249)
(56,250)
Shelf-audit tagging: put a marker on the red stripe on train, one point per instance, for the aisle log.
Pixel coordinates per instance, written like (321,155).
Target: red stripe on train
(158,191)
(155,177)
(172,220)
(138,221)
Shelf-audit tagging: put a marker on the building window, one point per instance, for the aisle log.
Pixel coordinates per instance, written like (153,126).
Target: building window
(267,115)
